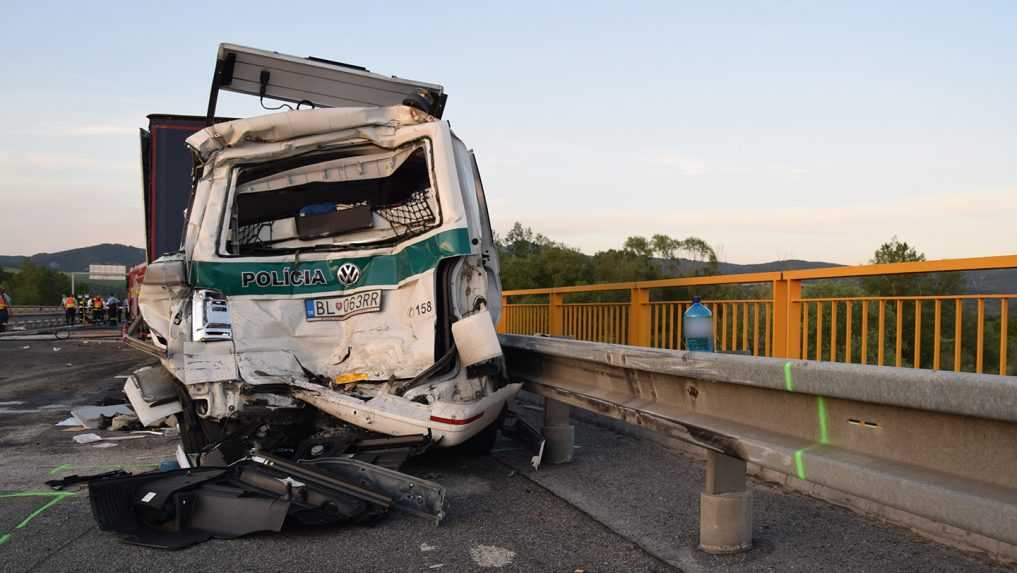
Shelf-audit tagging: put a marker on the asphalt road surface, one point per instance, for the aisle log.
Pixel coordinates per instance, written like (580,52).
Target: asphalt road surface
(623,505)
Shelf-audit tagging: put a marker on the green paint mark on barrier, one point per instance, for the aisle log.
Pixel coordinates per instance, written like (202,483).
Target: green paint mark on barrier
(57,497)
(824,437)
(800,464)
(789,384)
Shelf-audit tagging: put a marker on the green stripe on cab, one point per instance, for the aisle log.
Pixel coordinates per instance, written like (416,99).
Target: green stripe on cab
(315,277)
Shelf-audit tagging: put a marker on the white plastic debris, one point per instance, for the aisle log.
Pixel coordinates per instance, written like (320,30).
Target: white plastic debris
(182,458)
(93,438)
(148,415)
(105,444)
(87,438)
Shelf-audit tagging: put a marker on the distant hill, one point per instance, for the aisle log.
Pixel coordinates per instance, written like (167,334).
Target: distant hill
(78,259)
(685,266)
(1002,281)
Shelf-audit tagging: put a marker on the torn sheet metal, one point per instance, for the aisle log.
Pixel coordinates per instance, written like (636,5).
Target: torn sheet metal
(176,509)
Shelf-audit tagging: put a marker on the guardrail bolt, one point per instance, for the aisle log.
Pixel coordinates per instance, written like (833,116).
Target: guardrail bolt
(725,506)
(559,434)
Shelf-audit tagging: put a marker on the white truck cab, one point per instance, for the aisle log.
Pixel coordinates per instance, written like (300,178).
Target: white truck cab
(338,271)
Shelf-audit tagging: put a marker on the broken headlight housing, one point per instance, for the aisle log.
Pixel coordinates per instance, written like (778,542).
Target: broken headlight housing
(210,316)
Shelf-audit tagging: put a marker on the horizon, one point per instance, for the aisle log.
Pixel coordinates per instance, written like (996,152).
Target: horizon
(773,132)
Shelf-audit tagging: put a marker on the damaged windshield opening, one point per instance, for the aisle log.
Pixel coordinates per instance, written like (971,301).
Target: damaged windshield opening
(366,195)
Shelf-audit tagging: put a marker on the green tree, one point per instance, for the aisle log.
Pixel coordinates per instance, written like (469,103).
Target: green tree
(908,285)
(36,285)
(531,260)
(897,251)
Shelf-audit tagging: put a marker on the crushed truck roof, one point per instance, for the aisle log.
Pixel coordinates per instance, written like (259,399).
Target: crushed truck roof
(289,125)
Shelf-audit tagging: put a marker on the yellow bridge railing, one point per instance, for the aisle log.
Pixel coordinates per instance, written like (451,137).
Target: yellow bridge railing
(960,332)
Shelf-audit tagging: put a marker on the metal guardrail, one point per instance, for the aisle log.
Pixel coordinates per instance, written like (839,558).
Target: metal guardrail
(903,331)
(34,310)
(938,445)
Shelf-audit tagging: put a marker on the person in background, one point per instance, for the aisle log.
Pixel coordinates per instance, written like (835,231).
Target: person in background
(83,308)
(97,315)
(5,308)
(112,309)
(70,309)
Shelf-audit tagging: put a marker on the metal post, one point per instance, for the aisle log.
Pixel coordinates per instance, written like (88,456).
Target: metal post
(725,506)
(559,434)
(556,314)
(639,317)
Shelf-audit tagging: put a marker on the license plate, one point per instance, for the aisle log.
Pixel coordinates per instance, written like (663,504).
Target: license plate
(342,307)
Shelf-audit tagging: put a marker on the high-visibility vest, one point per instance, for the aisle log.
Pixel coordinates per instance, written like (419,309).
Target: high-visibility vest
(97,304)
(3,302)
(70,302)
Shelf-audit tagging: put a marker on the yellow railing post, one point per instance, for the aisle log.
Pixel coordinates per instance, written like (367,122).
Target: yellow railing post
(639,317)
(556,314)
(787,315)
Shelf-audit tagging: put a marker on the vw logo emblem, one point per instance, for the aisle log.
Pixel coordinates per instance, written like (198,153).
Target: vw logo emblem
(348,274)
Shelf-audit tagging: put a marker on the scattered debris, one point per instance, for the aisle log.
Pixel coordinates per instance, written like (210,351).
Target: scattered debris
(26,347)
(179,508)
(91,417)
(124,422)
(153,394)
(105,445)
(57,349)
(491,556)
(425,547)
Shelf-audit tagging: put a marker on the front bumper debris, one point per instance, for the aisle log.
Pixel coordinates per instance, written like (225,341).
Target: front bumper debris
(177,509)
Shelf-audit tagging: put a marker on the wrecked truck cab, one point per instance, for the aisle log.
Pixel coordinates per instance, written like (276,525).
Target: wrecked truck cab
(338,274)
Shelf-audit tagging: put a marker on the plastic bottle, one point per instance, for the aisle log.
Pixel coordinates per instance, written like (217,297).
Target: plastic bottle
(698,327)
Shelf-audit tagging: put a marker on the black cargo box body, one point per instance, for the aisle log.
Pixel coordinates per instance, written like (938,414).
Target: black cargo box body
(166,167)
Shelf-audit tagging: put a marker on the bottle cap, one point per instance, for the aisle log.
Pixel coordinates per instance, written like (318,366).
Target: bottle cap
(695,300)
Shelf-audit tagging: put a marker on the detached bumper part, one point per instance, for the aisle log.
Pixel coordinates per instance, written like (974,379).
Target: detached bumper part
(177,509)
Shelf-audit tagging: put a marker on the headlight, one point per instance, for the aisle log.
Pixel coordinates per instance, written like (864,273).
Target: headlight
(210,316)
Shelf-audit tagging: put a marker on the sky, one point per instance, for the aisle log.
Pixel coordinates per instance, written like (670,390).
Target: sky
(772,130)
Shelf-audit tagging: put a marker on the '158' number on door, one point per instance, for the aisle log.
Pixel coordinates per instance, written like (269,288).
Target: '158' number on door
(421,309)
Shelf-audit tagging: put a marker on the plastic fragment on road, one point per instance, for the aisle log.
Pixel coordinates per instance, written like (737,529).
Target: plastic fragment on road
(92,438)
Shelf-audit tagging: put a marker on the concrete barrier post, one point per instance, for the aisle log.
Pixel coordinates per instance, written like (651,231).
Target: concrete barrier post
(559,433)
(725,506)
